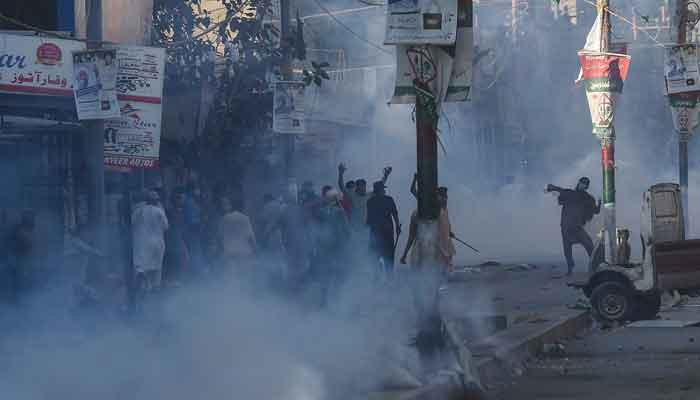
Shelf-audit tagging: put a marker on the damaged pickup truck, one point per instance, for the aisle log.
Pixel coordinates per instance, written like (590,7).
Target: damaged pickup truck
(628,291)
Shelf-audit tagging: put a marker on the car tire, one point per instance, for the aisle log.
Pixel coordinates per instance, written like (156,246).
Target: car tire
(612,302)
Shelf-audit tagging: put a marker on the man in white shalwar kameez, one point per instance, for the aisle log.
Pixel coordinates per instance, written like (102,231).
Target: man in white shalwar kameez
(148,224)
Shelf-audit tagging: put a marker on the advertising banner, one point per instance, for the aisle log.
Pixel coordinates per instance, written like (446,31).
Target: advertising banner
(288,111)
(140,75)
(133,139)
(95,78)
(447,69)
(461,77)
(604,75)
(421,22)
(681,69)
(37,65)
(684,109)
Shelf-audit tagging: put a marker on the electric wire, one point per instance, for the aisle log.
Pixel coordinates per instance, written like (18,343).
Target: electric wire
(625,19)
(347,28)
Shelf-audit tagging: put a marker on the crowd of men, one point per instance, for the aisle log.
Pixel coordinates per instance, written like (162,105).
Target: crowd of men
(299,239)
(300,242)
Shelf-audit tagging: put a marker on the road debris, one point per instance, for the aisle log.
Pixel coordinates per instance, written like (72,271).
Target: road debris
(581,304)
(521,267)
(490,264)
(554,349)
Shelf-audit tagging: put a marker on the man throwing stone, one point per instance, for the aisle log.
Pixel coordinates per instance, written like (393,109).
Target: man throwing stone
(578,207)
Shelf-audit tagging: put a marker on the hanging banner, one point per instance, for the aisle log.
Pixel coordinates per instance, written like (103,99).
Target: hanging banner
(604,75)
(681,69)
(95,79)
(288,111)
(602,107)
(684,109)
(421,22)
(354,86)
(37,65)
(133,139)
(461,78)
(446,69)
(431,64)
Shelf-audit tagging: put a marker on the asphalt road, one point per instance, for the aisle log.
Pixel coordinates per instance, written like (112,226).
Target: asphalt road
(629,363)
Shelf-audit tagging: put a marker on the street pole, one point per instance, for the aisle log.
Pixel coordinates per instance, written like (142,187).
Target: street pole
(607,145)
(94,140)
(427,152)
(683,137)
(286,69)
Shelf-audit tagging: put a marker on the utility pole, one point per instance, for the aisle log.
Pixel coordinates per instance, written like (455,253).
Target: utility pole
(427,153)
(683,136)
(607,145)
(288,139)
(94,140)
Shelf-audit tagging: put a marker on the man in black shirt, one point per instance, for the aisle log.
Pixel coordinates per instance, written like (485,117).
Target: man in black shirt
(578,207)
(383,220)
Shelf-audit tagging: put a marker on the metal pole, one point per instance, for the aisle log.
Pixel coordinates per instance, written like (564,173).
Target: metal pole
(607,146)
(286,69)
(683,137)
(94,140)
(683,175)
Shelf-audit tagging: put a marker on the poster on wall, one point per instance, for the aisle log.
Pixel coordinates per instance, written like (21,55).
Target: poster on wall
(421,22)
(37,65)
(288,111)
(94,84)
(133,139)
(681,69)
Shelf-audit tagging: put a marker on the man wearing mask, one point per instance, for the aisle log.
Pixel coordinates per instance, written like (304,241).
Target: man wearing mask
(578,207)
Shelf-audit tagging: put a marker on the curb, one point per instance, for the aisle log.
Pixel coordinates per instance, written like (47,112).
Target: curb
(510,351)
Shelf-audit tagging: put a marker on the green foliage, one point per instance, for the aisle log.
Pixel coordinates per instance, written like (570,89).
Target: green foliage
(239,55)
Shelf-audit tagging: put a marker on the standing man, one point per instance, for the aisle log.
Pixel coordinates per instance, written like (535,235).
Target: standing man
(332,241)
(359,196)
(237,242)
(20,248)
(351,200)
(296,239)
(445,249)
(177,240)
(427,277)
(148,225)
(383,221)
(578,207)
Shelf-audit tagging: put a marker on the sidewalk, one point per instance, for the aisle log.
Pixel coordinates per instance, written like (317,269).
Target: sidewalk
(505,313)
(517,292)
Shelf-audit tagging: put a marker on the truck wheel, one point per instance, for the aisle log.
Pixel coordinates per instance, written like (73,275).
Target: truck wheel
(649,306)
(612,302)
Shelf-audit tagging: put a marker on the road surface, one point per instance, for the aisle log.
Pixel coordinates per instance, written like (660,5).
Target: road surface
(629,363)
